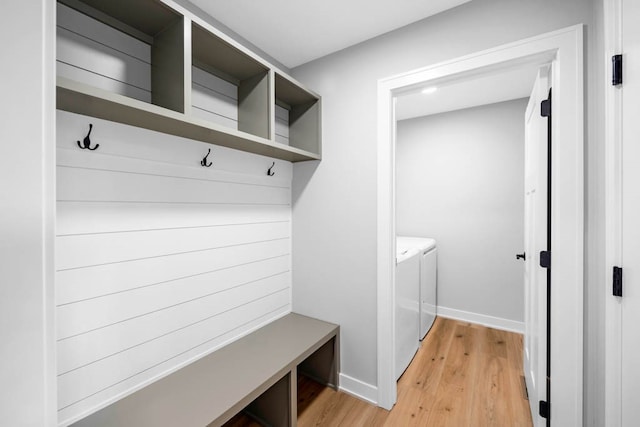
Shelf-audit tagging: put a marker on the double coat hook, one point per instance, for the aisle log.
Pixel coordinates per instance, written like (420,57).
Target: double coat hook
(203,162)
(269,172)
(86,142)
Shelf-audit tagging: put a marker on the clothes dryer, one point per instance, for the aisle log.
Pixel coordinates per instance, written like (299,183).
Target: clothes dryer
(428,274)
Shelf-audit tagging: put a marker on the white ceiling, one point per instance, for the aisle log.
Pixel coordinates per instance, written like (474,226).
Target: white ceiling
(495,87)
(298,31)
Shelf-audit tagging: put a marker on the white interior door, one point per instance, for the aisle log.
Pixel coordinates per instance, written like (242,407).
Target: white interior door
(630,302)
(535,240)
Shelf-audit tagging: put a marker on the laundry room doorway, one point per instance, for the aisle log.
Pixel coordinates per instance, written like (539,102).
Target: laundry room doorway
(563,50)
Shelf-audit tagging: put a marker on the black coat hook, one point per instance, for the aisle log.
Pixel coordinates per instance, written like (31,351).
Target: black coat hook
(203,162)
(269,172)
(86,142)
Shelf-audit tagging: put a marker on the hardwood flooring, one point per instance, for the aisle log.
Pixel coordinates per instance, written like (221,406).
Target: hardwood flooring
(463,375)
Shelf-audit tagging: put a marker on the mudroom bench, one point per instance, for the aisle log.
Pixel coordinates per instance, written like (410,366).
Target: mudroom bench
(256,374)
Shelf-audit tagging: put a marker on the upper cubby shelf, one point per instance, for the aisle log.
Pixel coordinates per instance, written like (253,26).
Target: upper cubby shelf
(149,63)
(229,87)
(297,118)
(133,48)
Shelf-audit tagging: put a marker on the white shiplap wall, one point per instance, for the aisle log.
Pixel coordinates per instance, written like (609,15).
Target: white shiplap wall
(214,99)
(159,260)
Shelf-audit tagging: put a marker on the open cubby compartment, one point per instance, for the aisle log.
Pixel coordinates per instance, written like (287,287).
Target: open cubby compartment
(297,115)
(230,88)
(278,404)
(133,48)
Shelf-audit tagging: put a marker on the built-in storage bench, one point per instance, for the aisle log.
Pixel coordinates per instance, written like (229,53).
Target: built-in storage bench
(155,65)
(256,374)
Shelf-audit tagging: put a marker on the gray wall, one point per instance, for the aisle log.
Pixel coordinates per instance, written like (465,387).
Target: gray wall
(460,180)
(334,201)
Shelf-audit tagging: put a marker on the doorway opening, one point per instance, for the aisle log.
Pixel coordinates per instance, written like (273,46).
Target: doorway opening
(563,49)
(466,168)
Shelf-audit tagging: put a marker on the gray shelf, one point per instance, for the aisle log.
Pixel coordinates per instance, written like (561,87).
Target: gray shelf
(84,99)
(178,41)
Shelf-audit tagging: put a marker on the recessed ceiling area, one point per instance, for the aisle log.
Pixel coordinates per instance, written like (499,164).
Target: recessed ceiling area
(295,32)
(506,85)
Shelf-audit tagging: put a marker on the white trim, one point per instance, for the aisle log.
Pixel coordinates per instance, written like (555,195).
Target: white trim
(387,390)
(27,184)
(359,389)
(49,20)
(613,217)
(565,48)
(482,319)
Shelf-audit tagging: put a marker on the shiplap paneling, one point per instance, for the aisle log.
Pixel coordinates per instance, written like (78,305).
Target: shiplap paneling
(214,99)
(108,84)
(108,185)
(83,218)
(159,260)
(282,125)
(131,142)
(81,251)
(89,315)
(155,311)
(91,52)
(83,283)
(75,385)
(260,313)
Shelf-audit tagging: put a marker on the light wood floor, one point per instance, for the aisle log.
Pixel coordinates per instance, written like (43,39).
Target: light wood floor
(463,375)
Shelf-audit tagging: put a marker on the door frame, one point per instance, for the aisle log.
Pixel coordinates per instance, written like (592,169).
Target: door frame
(565,48)
(613,217)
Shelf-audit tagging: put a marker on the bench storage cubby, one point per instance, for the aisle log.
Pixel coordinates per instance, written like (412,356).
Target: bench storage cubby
(257,374)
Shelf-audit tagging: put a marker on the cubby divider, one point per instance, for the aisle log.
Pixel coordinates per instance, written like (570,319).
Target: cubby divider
(170,78)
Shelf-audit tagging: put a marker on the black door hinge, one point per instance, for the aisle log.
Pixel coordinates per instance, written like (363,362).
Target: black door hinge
(617,281)
(543,409)
(616,73)
(545,108)
(545,259)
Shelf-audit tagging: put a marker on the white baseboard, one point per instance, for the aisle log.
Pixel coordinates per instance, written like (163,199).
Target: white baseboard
(359,389)
(482,319)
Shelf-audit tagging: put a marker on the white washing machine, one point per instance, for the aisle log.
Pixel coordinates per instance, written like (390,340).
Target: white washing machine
(407,308)
(428,278)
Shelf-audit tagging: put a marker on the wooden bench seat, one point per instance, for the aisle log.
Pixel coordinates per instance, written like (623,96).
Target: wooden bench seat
(257,373)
